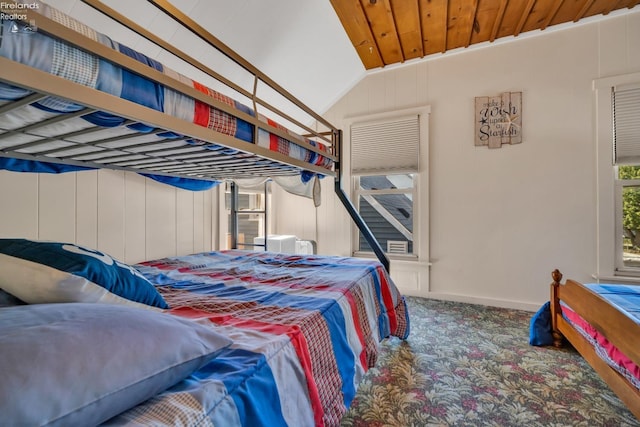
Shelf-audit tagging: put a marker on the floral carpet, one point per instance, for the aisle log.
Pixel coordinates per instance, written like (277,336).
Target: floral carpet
(471,365)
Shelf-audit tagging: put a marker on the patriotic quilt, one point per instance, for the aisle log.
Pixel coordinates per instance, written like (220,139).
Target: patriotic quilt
(304,330)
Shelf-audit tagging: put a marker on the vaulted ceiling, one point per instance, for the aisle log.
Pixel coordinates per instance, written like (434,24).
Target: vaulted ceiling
(387,32)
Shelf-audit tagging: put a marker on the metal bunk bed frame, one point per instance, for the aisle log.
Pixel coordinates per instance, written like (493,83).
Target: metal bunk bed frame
(168,157)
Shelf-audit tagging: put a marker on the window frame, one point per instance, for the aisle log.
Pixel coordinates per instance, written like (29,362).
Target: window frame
(620,267)
(609,261)
(234,213)
(421,189)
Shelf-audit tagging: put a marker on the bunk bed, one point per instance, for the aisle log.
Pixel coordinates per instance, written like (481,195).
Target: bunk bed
(129,111)
(602,322)
(242,338)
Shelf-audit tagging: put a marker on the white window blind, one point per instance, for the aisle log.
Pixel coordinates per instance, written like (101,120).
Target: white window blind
(390,145)
(626,125)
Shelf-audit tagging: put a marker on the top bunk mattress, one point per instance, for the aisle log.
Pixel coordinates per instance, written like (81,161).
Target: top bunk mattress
(32,125)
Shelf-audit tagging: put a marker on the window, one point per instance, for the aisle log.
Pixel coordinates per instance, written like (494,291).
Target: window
(625,100)
(628,219)
(247,216)
(617,108)
(385,170)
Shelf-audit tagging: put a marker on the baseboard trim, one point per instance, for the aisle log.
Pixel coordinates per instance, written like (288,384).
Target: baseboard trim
(516,305)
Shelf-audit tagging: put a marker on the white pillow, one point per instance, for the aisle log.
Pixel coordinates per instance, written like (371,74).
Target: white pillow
(81,364)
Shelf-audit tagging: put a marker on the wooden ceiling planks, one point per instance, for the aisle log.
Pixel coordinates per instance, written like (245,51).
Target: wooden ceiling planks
(407,17)
(523,17)
(511,18)
(552,13)
(385,32)
(461,18)
(357,27)
(486,16)
(383,28)
(537,15)
(434,17)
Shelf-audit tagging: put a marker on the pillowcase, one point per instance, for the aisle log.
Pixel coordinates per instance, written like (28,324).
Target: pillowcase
(47,272)
(81,364)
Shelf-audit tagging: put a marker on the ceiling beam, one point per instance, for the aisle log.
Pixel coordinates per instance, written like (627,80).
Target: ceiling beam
(524,16)
(355,23)
(445,29)
(383,27)
(406,14)
(583,11)
(433,20)
(474,24)
(633,4)
(498,21)
(552,14)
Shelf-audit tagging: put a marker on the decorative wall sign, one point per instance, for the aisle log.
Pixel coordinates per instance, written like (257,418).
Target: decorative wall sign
(499,119)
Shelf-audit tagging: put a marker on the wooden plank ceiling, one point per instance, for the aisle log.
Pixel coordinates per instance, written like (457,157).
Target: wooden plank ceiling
(386,32)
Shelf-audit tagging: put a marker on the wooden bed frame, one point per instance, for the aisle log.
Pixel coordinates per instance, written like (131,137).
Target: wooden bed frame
(619,329)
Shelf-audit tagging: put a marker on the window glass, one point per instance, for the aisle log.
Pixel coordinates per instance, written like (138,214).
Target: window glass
(386,205)
(382,182)
(250,217)
(629,216)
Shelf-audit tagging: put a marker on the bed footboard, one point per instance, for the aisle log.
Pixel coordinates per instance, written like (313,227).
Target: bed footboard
(617,327)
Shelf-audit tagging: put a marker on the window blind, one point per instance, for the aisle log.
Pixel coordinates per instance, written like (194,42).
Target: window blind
(626,125)
(390,145)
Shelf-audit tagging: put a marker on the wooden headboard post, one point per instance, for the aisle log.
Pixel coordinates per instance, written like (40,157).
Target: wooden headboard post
(555,307)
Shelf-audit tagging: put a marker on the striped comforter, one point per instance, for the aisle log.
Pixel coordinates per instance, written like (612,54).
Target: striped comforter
(305,329)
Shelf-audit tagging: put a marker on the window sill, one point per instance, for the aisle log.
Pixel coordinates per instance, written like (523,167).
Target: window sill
(395,258)
(617,279)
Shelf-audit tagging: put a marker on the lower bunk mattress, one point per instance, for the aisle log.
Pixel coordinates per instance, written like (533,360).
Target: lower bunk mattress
(304,330)
(626,298)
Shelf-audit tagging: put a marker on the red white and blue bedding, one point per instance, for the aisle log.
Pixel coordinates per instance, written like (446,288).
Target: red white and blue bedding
(305,329)
(626,298)
(40,51)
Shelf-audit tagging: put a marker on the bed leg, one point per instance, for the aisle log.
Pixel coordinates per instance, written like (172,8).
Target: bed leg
(555,308)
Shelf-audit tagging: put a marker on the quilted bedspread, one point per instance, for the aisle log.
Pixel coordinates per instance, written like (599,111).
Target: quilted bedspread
(305,329)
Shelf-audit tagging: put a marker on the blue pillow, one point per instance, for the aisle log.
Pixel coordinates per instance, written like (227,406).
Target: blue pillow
(540,326)
(81,364)
(48,272)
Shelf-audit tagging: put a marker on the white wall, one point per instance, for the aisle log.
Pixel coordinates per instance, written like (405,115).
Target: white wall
(130,217)
(500,219)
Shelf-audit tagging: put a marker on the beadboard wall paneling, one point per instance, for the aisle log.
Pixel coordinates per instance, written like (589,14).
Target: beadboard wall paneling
(19,208)
(130,217)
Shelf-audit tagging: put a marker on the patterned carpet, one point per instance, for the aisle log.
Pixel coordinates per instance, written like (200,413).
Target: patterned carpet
(471,365)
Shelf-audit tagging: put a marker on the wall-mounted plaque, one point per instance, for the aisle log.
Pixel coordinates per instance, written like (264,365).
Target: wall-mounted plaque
(499,119)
